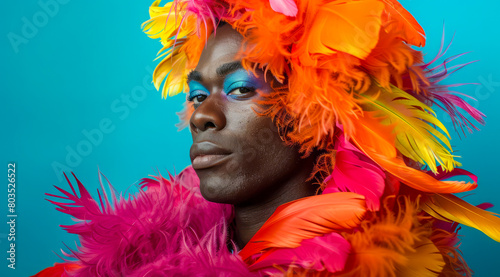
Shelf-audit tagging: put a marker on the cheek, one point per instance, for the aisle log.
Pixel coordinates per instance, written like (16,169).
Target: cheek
(264,151)
(261,135)
(264,163)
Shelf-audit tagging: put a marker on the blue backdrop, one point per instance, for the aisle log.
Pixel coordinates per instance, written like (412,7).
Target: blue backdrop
(76,95)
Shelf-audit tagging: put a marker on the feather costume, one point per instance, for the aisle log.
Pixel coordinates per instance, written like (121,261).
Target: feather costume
(347,81)
(169,229)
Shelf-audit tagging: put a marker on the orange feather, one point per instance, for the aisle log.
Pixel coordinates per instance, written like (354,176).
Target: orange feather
(425,261)
(375,136)
(401,21)
(348,26)
(394,243)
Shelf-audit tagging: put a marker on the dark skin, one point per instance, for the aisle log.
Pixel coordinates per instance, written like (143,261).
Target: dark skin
(237,154)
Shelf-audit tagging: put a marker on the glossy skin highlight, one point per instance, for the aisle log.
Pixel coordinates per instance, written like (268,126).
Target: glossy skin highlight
(237,154)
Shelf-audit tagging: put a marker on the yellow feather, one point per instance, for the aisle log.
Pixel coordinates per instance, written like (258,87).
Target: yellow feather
(172,69)
(448,207)
(167,27)
(413,121)
(172,27)
(426,261)
(155,9)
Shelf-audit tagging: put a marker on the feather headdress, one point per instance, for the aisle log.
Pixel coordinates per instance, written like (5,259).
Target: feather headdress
(361,68)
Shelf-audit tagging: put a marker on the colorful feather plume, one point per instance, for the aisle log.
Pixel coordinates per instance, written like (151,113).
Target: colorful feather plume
(417,179)
(366,67)
(451,210)
(287,38)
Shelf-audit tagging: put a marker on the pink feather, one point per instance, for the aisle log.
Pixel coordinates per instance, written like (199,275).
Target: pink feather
(206,11)
(167,229)
(442,175)
(355,172)
(286,7)
(442,96)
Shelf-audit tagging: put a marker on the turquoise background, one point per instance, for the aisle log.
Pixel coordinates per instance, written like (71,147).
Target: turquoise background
(83,64)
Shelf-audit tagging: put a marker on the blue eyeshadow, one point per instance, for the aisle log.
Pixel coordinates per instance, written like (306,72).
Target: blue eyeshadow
(241,78)
(196,89)
(238,79)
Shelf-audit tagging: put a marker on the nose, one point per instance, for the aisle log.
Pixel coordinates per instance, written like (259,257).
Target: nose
(208,115)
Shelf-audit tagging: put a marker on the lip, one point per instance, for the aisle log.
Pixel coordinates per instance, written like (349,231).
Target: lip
(205,154)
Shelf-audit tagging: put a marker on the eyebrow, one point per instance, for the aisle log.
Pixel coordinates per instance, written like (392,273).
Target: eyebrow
(228,68)
(221,71)
(194,76)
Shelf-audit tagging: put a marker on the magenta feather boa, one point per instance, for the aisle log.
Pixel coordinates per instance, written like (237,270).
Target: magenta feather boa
(166,229)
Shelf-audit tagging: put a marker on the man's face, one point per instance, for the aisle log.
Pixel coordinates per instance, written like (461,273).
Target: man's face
(238,155)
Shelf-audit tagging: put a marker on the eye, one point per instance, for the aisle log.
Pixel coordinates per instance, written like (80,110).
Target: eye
(241,85)
(197,93)
(242,91)
(197,97)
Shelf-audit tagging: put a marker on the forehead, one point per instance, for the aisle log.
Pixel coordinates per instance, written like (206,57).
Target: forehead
(222,47)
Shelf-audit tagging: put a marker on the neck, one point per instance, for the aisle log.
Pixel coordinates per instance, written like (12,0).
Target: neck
(249,218)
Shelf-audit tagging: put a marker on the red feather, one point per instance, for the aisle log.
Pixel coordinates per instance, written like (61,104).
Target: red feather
(59,269)
(306,218)
(328,252)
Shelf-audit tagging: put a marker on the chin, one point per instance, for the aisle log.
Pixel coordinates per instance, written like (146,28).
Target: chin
(215,190)
(222,190)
